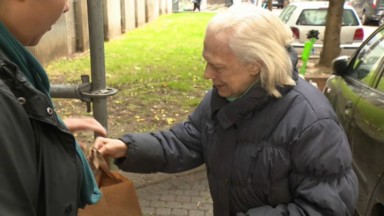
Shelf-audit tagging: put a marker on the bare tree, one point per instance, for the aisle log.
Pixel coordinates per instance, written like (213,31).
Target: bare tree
(331,45)
(270,5)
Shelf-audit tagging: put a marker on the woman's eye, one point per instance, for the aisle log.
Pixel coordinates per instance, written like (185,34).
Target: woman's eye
(217,68)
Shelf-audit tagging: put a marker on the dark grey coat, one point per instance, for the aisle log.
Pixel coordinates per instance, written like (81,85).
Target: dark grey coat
(264,156)
(39,168)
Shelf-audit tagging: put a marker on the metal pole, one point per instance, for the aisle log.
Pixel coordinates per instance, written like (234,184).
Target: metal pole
(96,42)
(64,91)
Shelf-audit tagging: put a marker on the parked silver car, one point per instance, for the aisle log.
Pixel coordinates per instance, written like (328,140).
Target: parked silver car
(304,16)
(369,10)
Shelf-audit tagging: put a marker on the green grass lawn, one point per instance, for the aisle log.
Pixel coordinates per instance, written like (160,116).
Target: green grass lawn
(165,52)
(157,69)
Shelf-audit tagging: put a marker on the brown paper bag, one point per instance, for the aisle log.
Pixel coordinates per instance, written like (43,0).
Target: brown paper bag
(118,193)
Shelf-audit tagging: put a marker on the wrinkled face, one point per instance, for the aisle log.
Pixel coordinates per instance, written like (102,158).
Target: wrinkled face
(229,75)
(36,17)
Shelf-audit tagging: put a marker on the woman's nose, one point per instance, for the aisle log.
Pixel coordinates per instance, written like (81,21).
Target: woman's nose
(66,7)
(208,74)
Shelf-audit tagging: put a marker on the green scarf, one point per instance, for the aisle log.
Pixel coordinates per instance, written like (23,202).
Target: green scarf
(37,76)
(231,99)
(28,64)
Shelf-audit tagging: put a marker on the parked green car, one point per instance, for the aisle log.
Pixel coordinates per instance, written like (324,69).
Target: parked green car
(356,91)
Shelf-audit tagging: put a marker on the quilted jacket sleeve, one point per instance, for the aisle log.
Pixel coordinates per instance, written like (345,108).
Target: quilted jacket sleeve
(175,150)
(323,181)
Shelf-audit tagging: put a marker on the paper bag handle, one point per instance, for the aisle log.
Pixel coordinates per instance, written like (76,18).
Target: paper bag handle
(98,162)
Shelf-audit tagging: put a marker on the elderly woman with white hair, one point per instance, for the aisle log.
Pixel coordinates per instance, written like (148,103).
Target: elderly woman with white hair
(271,142)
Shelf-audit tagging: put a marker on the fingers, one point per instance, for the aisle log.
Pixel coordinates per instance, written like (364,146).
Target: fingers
(94,125)
(111,147)
(85,123)
(100,143)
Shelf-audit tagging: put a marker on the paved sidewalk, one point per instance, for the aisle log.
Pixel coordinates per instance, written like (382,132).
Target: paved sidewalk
(183,194)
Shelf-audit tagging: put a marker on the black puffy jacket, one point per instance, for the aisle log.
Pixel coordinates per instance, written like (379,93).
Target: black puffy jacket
(264,156)
(39,168)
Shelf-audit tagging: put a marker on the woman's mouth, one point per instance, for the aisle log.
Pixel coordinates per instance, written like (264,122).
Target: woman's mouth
(218,85)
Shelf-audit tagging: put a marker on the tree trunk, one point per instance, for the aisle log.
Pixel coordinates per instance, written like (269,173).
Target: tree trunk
(331,44)
(270,5)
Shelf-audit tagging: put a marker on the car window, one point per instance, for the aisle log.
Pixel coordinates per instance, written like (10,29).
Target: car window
(318,17)
(369,59)
(312,17)
(286,13)
(349,18)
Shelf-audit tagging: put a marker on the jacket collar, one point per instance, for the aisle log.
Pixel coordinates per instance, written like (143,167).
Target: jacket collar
(228,113)
(36,104)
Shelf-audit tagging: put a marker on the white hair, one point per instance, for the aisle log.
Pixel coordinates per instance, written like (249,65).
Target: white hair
(256,35)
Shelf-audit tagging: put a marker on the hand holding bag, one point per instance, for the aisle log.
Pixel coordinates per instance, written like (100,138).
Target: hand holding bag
(118,193)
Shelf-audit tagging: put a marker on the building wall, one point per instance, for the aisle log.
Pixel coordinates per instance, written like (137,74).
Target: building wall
(128,19)
(112,19)
(81,26)
(140,12)
(70,34)
(152,10)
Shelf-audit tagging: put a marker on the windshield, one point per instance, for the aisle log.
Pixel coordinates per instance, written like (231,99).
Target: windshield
(318,17)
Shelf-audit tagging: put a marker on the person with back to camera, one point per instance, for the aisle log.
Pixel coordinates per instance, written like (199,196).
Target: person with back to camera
(271,142)
(196,5)
(43,170)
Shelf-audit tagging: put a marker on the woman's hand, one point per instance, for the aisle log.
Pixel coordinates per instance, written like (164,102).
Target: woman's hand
(111,147)
(85,124)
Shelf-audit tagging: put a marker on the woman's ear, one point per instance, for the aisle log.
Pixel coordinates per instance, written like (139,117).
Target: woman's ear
(254,68)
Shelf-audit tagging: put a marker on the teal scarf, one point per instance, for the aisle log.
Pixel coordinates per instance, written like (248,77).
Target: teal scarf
(231,99)
(37,76)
